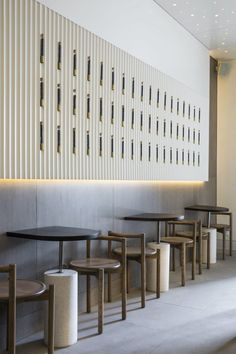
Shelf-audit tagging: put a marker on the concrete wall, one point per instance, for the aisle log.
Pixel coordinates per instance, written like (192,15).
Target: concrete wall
(103,204)
(226,168)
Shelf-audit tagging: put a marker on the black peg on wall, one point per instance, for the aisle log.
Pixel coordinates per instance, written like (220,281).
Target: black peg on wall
(88,68)
(74,102)
(42,48)
(113,79)
(41,137)
(132,119)
(141,120)
(112,146)
(150,95)
(59,97)
(171,104)
(149,123)
(171,155)
(59,56)
(41,92)
(132,149)
(149,152)
(58,139)
(157,126)
(165,101)
(123,116)
(101,73)
(100,109)
(112,112)
(87,143)
(122,148)
(157,157)
(88,106)
(74,63)
(183,108)
(133,87)
(74,140)
(141,151)
(158,97)
(100,144)
(141,92)
(123,84)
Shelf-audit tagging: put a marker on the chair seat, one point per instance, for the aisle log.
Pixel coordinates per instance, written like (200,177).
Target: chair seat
(24,289)
(175,240)
(190,234)
(96,263)
(134,251)
(221,226)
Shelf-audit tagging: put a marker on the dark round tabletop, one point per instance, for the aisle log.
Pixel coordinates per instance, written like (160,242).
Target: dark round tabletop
(155,217)
(55,233)
(207,208)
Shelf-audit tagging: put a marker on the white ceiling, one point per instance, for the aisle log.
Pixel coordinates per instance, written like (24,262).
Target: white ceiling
(213,23)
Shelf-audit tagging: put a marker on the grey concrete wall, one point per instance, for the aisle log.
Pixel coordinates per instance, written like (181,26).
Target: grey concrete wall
(99,205)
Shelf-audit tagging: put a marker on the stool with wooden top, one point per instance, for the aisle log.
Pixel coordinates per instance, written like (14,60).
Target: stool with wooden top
(14,291)
(196,227)
(181,243)
(97,267)
(223,229)
(138,254)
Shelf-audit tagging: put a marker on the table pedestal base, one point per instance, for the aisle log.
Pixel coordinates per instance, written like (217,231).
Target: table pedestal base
(66,306)
(213,248)
(165,267)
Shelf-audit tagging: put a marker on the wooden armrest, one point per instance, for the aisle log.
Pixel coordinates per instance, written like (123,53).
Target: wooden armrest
(110,238)
(183,222)
(222,213)
(126,235)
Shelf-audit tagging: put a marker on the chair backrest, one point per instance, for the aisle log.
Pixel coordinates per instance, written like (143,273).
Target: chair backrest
(11,270)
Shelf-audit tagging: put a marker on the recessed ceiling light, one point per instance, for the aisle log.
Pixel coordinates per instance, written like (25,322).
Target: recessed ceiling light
(204,16)
(226,51)
(214,2)
(174,4)
(192,15)
(233,12)
(216,15)
(223,43)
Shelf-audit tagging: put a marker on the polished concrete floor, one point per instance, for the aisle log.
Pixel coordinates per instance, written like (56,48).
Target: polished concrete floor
(197,319)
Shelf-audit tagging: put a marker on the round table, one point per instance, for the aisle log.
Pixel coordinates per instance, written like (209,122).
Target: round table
(212,231)
(158,218)
(208,209)
(64,280)
(164,249)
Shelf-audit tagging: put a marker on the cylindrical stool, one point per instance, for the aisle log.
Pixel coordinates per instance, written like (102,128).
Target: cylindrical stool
(66,306)
(213,248)
(164,264)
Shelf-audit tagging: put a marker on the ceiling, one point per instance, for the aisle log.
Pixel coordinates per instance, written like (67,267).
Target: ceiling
(213,23)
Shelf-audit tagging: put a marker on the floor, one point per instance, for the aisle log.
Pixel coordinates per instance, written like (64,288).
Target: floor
(197,319)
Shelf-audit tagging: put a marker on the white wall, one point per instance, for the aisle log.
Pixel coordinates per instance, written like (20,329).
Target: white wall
(143,29)
(226,140)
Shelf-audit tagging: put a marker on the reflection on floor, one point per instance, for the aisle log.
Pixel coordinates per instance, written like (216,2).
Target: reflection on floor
(197,319)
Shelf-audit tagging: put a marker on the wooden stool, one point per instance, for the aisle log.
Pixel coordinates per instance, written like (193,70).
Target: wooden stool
(139,254)
(26,291)
(97,267)
(181,243)
(223,228)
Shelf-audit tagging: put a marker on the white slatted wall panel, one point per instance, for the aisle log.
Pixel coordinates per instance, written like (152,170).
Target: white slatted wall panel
(86,139)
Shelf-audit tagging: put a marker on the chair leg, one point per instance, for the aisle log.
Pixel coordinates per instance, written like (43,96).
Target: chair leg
(158,275)
(194,262)
(109,288)
(231,237)
(123,292)
(127,277)
(173,259)
(88,293)
(143,281)
(200,255)
(100,300)
(224,237)
(208,251)
(183,263)
(51,314)
(11,332)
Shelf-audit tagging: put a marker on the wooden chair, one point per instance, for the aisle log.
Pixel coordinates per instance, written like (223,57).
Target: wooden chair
(200,236)
(138,254)
(223,228)
(97,267)
(16,291)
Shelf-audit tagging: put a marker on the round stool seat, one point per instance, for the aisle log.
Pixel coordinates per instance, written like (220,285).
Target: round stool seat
(175,240)
(190,234)
(95,263)
(221,226)
(24,289)
(134,251)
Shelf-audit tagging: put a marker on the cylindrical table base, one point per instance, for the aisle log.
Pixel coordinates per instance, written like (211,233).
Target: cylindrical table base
(213,244)
(165,267)
(66,306)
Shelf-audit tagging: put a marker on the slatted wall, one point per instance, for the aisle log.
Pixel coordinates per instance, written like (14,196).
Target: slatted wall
(73,106)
